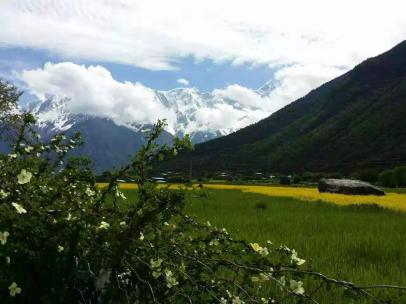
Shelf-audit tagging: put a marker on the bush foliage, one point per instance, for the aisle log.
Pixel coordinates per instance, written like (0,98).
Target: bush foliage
(394,177)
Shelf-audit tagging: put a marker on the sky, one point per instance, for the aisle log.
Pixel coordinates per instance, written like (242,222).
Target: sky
(122,50)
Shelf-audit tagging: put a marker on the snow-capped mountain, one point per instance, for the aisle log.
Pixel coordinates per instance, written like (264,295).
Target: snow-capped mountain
(188,104)
(53,115)
(109,142)
(266,89)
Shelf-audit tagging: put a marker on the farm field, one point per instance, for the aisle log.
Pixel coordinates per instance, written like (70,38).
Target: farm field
(395,199)
(392,200)
(363,243)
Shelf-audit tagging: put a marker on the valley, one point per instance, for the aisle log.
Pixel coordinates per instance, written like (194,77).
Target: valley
(198,152)
(360,242)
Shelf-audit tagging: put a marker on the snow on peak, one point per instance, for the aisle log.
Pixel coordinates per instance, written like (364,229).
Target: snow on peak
(203,115)
(266,89)
(53,113)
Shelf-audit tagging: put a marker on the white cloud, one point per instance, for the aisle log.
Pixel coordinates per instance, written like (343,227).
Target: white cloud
(183,81)
(92,90)
(296,81)
(244,96)
(245,106)
(154,34)
(304,42)
(227,118)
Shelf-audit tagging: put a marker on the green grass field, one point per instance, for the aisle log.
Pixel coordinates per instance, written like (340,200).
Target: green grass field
(363,244)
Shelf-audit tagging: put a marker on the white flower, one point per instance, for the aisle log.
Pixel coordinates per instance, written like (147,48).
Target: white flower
(120,195)
(264,251)
(28,149)
(262,277)
(296,287)
(141,236)
(263,300)
(19,208)
(223,301)
(261,250)
(156,264)
(156,274)
(122,223)
(295,259)
(170,279)
(60,249)
(285,248)
(3,237)
(104,225)
(12,156)
(24,177)
(237,300)
(255,279)
(3,194)
(214,242)
(300,261)
(89,192)
(255,246)
(8,260)
(14,289)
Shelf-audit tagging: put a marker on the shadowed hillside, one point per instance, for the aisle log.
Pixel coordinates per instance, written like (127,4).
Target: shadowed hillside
(354,121)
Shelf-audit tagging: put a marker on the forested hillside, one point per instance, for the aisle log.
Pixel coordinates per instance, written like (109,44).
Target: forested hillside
(355,121)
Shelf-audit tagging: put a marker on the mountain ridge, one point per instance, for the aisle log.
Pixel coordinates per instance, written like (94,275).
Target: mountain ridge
(332,128)
(186,102)
(108,143)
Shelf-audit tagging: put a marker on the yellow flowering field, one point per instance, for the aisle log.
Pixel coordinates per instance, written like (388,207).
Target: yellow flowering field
(391,200)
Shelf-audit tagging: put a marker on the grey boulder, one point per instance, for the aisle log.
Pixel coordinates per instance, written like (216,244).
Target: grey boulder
(348,186)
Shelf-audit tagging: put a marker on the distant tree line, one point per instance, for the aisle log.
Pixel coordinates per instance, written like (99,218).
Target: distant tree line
(395,177)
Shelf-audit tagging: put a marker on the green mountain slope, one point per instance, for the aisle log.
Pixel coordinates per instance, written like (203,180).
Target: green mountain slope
(355,121)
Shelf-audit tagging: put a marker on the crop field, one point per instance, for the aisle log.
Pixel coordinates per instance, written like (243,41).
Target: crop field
(360,238)
(394,199)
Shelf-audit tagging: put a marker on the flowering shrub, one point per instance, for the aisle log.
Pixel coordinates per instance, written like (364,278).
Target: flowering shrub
(64,240)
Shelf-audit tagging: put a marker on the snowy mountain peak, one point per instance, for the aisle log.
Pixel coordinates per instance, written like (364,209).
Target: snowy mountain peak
(203,115)
(53,114)
(266,89)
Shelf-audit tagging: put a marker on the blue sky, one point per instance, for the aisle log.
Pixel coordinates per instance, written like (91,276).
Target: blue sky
(204,75)
(228,48)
